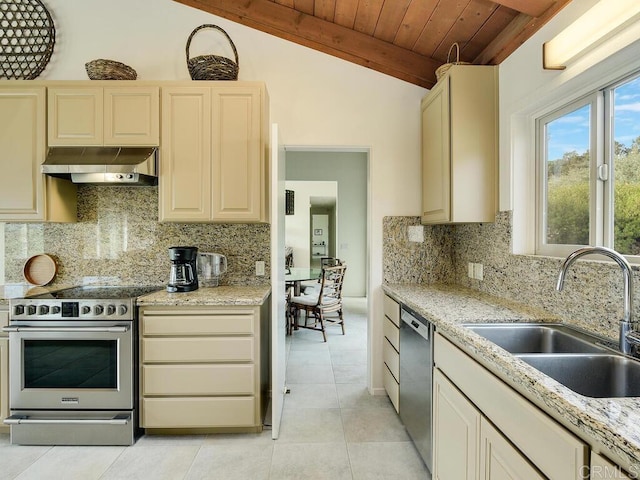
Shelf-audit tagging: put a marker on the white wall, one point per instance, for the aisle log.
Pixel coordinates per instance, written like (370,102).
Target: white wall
(298,225)
(316,99)
(527,91)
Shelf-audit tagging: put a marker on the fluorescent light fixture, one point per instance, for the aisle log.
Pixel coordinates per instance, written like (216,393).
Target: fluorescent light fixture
(600,22)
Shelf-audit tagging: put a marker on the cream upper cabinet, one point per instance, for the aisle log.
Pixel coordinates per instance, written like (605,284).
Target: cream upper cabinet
(25,193)
(185,155)
(213,153)
(459,147)
(117,116)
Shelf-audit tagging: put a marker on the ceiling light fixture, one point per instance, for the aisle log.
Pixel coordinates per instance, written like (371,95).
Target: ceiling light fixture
(599,23)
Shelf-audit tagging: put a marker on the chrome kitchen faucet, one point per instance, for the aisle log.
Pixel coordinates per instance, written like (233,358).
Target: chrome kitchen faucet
(629,329)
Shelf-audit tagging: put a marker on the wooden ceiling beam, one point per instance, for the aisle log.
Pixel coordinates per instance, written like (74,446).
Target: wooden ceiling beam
(533,8)
(519,31)
(327,37)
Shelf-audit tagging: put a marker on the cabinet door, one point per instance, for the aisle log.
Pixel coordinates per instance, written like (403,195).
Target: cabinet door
(22,151)
(75,116)
(185,160)
(436,155)
(237,157)
(499,460)
(603,469)
(456,431)
(4,379)
(131,116)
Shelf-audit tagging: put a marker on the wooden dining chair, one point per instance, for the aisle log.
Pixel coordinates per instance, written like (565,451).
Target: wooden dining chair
(312,287)
(327,301)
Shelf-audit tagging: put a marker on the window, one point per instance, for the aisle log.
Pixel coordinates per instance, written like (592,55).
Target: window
(589,173)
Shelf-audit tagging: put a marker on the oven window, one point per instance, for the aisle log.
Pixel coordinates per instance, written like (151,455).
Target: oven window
(70,364)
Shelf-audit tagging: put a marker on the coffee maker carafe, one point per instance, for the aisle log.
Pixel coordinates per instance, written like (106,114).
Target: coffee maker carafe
(183,276)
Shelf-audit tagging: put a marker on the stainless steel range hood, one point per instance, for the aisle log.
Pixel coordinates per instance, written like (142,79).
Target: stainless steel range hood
(103,165)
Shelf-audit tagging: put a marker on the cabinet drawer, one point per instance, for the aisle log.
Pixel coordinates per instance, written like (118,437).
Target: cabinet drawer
(197,349)
(554,450)
(392,310)
(198,380)
(392,332)
(188,323)
(391,358)
(185,412)
(392,388)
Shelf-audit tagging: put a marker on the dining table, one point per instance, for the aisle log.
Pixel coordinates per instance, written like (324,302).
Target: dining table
(296,275)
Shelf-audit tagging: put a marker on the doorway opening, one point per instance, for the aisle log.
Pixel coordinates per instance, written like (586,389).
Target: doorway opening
(331,193)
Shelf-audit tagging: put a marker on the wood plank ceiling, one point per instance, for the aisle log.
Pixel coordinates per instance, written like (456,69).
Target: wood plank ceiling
(407,39)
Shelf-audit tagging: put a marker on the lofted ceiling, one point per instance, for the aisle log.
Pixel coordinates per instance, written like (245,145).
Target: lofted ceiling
(407,39)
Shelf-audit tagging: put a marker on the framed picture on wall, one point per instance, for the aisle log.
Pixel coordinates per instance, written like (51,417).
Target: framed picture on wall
(317,231)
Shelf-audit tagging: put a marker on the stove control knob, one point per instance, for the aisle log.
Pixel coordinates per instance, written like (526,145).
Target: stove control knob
(31,310)
(18,310)
(55,309)
(111,309)
(85,309)
(43,309)
(98,309)
(122,309)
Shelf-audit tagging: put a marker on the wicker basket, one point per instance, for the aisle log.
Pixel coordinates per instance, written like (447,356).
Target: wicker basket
(442,69)
(102,69)
(212,67)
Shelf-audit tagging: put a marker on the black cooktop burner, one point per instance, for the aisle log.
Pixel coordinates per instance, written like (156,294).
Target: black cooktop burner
(98,293)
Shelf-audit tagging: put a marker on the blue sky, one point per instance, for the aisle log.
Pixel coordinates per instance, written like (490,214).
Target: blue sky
(571,132)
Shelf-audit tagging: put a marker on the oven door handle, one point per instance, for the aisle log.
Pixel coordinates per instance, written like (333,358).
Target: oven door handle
(118,329)
(121,419)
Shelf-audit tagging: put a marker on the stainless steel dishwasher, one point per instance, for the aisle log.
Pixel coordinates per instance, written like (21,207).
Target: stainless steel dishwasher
(416,380)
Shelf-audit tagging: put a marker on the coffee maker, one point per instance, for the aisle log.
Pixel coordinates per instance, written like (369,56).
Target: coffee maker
(183,276)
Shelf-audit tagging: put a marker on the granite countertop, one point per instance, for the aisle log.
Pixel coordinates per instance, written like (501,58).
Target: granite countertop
(612,423)
(254,295)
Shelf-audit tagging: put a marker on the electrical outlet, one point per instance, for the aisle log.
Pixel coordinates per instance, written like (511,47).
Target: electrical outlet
(471,272)
(478,271)
(260,269)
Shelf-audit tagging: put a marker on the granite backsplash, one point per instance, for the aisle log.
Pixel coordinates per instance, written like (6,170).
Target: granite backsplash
(118,240)
(592,297)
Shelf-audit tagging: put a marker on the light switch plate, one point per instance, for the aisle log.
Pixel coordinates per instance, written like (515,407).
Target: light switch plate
(471,270)
(478,271)
(260,269)
(416,233)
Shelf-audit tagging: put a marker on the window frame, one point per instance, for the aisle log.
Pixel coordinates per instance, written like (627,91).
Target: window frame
(594,100)
(601,191)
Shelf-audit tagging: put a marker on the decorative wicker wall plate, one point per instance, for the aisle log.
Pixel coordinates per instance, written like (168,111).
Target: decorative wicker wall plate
(27,37)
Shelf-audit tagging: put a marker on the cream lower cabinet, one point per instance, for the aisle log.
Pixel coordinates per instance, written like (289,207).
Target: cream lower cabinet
(26,195)
(391,350)
(214,153)
(4,371)
(603,469)
(483,429)
(104,115)
(468,447)
(200,368)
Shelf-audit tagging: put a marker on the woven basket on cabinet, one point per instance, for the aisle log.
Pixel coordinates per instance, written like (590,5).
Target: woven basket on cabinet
(212,67)
(442,69)
(102,69)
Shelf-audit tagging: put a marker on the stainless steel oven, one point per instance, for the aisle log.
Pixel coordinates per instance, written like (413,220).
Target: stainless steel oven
(73,367)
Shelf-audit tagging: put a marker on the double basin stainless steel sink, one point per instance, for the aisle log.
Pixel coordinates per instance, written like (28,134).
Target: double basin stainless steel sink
(584,363)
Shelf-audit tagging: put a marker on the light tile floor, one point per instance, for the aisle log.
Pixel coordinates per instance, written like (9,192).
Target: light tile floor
(331,429)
